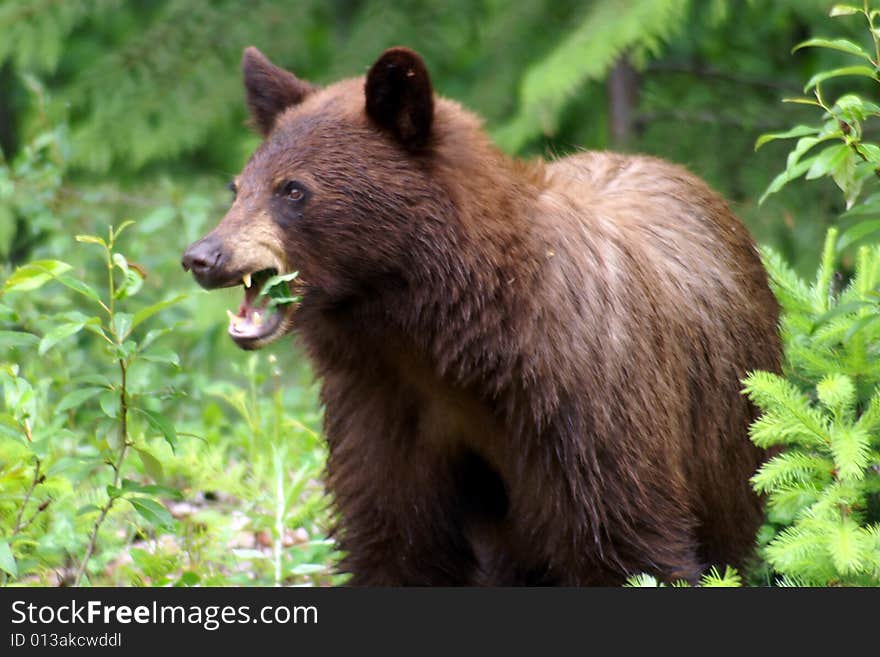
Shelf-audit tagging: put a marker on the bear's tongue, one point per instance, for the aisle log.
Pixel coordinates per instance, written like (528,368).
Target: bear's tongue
(253,319)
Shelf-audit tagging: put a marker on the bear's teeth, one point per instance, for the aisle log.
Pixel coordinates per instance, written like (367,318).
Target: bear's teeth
(256,318)
(234,320)
(246,279)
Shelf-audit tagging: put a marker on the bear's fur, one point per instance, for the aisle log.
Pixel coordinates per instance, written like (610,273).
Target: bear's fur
(530,371)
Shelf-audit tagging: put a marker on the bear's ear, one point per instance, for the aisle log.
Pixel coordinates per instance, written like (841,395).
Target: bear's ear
(270,89)
(400,98)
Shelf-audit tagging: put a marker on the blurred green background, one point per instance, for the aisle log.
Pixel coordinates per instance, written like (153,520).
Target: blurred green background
(113,110)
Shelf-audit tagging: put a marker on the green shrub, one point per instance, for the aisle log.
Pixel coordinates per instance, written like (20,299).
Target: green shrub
(823,416)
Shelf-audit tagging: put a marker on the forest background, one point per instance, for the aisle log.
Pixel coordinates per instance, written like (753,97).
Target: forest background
(138,445)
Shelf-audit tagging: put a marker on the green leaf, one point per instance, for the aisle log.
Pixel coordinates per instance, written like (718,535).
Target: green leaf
(308,569)
(109,403)
(88,508)
(132,279)
(122,323)
(78,286)
(58,334)
(145,313)
(797,131)
(7,560)
(189,578)
(162,424)
(91,239)
(870,151)
(131,285)
(152,465)
(152,511)
(76,398)
(843,45)
(162,356)
(857,233)
(828,160)
(120,261)
(860,71)
(276,286)
(129,486)
(12,339)
(35,274)
(786,177)
(802,101)
(844,10)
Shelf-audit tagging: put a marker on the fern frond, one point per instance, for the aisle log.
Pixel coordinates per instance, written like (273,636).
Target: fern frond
(800,552)
(793,293)
(549,85)
(838,393)
(34,31)
(729,579)
(772,429)
(787,502)
(792,467)
(848,545)
(850,447)
(642,580)
(869,422)
(776,395)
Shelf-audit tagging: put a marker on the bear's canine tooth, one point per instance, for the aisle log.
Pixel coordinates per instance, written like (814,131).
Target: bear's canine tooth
(234,320)
(246,279)
(256,318)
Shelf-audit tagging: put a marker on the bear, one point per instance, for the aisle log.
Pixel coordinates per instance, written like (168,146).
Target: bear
(530,370)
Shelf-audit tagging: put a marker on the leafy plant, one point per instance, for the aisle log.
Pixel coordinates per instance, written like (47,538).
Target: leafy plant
(822,488)
(730,578)
(851,159)
(822,419)
(128,420)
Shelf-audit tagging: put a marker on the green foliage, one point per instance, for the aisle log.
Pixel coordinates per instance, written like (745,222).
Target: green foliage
(730,578)
(823,486)
(113,447)
(548,85)
(851,160)
(113,110)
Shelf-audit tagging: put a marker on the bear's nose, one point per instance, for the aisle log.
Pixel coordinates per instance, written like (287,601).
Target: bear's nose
(203,258)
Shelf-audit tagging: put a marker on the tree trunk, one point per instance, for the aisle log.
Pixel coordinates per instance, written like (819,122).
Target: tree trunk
(623,96)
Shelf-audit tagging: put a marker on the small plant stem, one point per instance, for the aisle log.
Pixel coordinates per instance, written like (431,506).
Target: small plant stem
(867,13)
(279,516)
(19,525)
(27,496)
(117,477)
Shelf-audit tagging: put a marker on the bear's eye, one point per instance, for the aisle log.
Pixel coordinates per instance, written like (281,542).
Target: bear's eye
(232,188)
(294,191)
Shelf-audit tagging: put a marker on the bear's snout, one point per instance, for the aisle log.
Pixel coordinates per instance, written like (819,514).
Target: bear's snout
(204,259)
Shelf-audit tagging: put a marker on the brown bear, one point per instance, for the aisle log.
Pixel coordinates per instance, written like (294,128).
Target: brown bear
(530,370)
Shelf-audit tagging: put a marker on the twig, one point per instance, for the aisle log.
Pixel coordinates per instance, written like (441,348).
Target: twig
(17,527)
(117,468)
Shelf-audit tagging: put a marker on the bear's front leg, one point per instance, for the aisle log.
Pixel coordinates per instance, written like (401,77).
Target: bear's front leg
(398,522)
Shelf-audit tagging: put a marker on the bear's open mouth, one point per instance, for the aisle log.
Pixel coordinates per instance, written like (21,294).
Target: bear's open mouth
(261,316)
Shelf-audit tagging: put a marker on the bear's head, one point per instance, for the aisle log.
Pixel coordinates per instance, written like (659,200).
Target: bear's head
(339,191)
